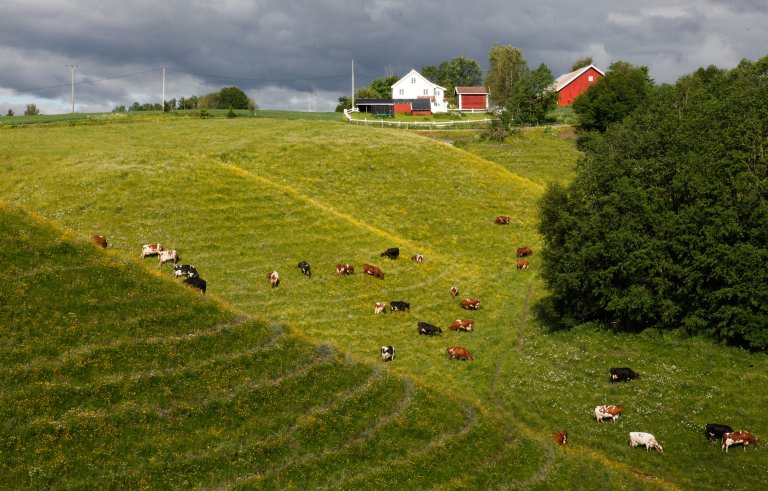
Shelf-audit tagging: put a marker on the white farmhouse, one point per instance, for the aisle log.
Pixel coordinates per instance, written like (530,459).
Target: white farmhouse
(415,86)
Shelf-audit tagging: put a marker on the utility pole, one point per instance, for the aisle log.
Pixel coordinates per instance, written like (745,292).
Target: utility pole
(353,85)
(72,70)
(163,101)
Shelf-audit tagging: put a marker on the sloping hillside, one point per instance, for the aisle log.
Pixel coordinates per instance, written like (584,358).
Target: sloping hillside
(241,198)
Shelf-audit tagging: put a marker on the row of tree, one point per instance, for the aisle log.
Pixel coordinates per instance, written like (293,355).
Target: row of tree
(666,223)
(31,110)
(525,95)
(226,98)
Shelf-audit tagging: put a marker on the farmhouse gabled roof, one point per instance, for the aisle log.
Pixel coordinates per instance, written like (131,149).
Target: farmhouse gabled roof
(562,81)
(414,73)
(471,90)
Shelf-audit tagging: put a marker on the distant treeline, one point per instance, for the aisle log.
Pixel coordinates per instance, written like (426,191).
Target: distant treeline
(226,98)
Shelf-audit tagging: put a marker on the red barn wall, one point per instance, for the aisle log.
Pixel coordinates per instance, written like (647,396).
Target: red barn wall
(473,101)
(402,108)
(574,89)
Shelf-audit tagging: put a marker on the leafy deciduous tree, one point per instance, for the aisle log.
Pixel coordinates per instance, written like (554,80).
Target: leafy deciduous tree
(506,66)
(666,224)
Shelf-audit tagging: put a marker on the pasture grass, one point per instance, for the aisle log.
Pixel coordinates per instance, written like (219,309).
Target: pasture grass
(241,197)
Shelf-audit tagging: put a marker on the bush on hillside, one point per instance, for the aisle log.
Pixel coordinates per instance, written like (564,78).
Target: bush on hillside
(666,224)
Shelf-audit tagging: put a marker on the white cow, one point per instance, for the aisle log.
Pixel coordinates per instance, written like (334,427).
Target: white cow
(639,438)
(387,353)
(379,307)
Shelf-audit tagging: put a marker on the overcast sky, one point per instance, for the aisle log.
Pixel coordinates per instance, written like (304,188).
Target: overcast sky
(278,51)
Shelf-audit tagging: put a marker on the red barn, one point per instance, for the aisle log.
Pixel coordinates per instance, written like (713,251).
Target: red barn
(472,98)
(571,85)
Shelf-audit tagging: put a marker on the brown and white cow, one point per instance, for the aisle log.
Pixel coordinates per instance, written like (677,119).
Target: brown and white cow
(274,278)
(459,353)
(379,307)
(373,271)
(524,251)
(168,257)
(344,269)
(99,240)
(151,250)
(462,325)
(606,412)
(454,291)
(522,264)
(418,258)
(739,437)
(502,220)
(561,438)
(470,304)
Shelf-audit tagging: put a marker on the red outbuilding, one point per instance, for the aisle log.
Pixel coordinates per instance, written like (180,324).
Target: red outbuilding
(571,85)
(472,98)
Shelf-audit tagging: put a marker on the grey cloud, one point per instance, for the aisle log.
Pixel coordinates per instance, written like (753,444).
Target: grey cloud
(279,50)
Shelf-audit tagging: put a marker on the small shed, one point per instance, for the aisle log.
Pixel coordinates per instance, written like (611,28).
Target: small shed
(472,98)
(571,85)
(377,107)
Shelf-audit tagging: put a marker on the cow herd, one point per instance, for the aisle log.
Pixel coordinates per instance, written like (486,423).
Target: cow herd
(724,433)
(712,431)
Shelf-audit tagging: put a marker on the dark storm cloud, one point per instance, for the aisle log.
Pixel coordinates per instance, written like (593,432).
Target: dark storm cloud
(280,50)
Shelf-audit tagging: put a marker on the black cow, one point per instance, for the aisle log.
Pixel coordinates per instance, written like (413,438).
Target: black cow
(196,282)
(399,306)
(622,374)
(304,267)
(715,431)
(184,270)
(392,253)
(428,329)
(387,353)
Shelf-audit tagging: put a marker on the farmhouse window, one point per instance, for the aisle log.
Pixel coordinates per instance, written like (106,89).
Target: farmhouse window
(591,78)
(402,91)
(413,80)
(426,91)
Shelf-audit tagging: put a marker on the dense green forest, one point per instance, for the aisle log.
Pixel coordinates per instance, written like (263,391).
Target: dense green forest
(666,223)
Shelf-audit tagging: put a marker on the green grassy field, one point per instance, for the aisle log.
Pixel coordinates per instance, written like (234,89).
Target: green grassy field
(241,197)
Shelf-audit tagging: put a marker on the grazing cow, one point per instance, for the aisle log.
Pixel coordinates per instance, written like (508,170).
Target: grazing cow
(524,251)
(740,437)
(168,257)
(502,220)
(379,307)
(522,264)
(387,353)
(714,431)
(462,325)
(457,352)
(622,374)
(196,282)
(454,292)
(399,306)
(428,329)
(184,270)
(561,438)
(304,267)
(418,258)
(151,250)
(274,278)
(344,269)
(373,271)
(99,240)
(605,412)
(392,253)
(646,439)
(470,304)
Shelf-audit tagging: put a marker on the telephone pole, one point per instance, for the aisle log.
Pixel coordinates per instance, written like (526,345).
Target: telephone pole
(72,71)
(163,101)
(353,85)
